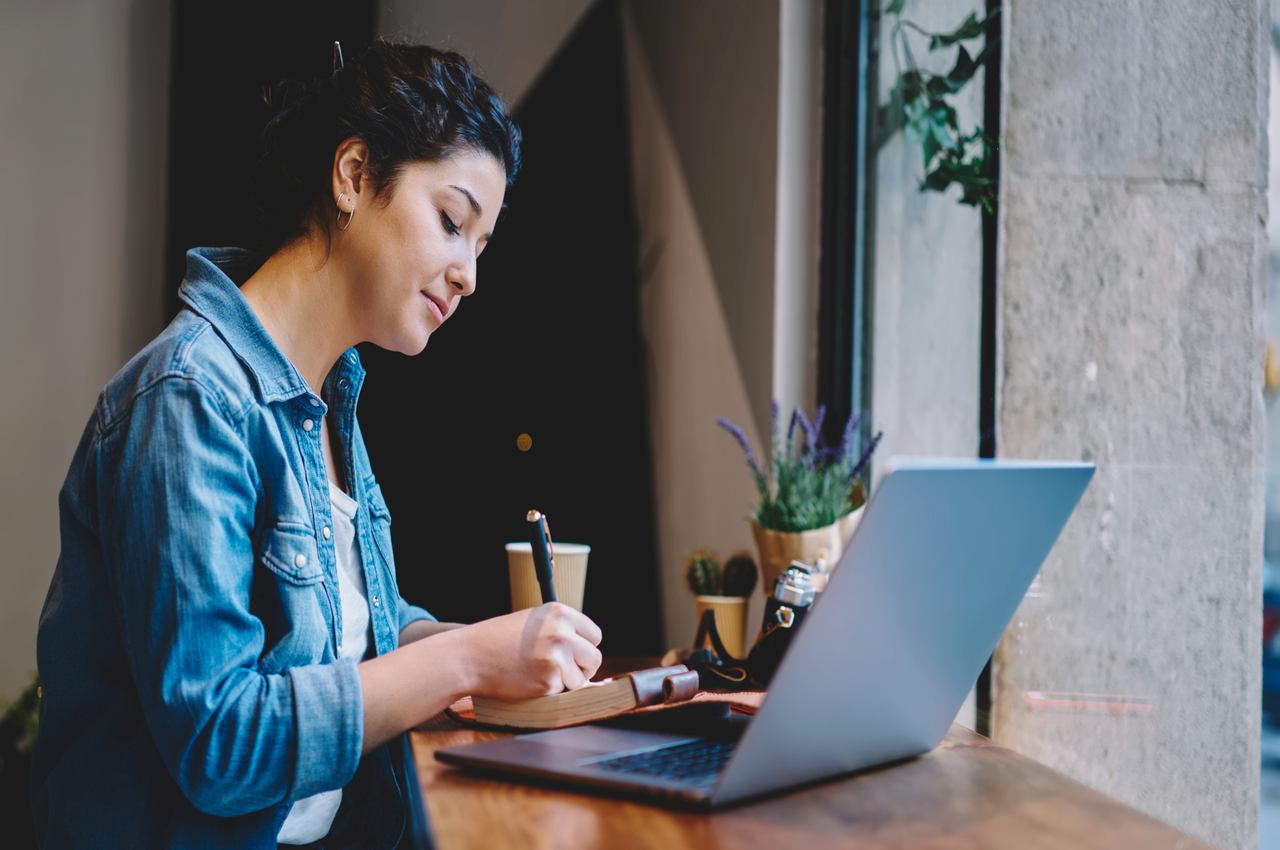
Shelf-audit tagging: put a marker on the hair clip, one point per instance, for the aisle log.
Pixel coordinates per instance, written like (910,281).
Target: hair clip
(337,57)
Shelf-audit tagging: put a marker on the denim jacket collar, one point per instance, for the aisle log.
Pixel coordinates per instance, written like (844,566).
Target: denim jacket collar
(212,289)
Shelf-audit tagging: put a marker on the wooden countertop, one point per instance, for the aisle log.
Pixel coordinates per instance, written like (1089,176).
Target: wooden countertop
(967,793)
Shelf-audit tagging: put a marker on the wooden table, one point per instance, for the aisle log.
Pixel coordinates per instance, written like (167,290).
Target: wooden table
(967,793)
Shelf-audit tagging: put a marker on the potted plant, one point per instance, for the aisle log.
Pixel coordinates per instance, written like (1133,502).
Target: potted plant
(18,725)
(811,495)
(724,591)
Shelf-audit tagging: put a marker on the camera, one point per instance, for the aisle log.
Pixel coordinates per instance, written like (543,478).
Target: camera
(792,598)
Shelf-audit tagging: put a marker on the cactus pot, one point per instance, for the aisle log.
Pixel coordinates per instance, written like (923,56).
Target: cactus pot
(777,549)
(731,620)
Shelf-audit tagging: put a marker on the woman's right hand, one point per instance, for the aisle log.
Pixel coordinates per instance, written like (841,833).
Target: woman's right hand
(532,652)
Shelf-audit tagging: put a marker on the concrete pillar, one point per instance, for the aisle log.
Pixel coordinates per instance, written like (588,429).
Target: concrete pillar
(1133,247)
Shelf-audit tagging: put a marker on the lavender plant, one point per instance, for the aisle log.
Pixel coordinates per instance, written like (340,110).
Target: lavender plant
(806,484)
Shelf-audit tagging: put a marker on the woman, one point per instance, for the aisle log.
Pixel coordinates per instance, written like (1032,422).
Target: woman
(225,658)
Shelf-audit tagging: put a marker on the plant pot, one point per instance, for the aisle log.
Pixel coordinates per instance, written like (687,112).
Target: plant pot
(777,549)
(731,620)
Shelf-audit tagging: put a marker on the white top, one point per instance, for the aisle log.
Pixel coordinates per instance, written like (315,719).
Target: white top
(311,817)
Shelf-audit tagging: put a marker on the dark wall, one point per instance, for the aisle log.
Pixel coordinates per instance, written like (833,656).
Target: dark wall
(223,54)
(549,345)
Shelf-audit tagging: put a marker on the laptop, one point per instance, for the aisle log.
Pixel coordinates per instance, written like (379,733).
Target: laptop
(944,553)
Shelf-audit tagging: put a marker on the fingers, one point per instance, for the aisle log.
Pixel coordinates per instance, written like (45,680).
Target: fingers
(580,636)
(571,675)
(560,642)
(583,625)
(586,656)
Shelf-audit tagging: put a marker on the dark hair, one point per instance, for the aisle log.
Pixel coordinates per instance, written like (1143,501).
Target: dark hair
(407,102)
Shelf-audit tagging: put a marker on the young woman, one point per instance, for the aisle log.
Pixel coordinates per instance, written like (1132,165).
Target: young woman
(225,658)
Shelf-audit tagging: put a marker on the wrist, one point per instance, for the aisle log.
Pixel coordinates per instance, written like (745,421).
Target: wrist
(420,629)
(456,649)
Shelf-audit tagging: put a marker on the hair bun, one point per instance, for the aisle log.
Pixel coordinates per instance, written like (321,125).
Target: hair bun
(280,95)
(408,102)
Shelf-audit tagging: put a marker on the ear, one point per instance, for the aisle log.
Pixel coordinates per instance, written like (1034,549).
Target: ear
(350,162)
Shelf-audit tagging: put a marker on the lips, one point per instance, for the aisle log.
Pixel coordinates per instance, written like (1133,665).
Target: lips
(438,307)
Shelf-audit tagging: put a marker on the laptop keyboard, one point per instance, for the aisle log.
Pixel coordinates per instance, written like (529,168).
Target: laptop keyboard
(696,762)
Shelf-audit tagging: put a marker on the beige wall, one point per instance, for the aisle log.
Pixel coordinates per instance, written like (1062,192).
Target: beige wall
(726,179)
(508,41)
(798,224)
(714,66)
(725,111)
(702,491)
(82,159)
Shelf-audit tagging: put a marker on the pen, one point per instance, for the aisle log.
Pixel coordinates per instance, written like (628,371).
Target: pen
(544,564)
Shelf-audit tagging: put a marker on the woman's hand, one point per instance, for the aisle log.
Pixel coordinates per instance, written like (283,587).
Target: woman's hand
(532,652)
(529,653)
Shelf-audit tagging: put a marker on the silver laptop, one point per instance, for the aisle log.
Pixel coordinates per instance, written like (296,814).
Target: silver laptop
(944,554)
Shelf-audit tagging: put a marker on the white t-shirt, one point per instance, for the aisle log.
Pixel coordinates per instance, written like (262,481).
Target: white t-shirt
(311,817)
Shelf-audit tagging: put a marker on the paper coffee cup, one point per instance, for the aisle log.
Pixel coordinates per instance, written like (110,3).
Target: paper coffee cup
(570,578)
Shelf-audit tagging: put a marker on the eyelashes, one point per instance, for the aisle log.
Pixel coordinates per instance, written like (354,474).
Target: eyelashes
(449,226)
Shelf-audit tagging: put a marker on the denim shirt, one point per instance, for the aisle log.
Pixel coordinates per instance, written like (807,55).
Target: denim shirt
(188,646)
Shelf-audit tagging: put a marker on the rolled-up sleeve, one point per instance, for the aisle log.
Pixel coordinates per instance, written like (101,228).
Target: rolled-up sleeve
(177,488)
(412,613)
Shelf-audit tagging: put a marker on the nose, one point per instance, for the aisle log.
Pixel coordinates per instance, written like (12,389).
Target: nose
(462,276)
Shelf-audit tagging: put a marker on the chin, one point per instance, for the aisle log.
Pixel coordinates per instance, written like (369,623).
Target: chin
(409,343)
(417,343)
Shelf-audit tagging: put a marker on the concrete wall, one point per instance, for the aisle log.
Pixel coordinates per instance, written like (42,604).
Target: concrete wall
(1131,301)
(83,162)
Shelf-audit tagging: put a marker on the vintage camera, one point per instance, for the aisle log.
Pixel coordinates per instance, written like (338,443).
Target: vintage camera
(793,596)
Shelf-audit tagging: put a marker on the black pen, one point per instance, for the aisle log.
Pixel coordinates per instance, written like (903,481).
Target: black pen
(543,562)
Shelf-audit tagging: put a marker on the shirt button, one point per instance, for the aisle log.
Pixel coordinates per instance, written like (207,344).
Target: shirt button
(326,532)
(300,561)
(376,601)
(308,424)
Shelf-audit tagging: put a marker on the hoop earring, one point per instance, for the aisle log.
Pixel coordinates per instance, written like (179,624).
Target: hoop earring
(350,215)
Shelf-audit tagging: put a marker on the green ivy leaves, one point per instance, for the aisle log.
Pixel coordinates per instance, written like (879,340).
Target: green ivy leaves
(918,105)
(970,29)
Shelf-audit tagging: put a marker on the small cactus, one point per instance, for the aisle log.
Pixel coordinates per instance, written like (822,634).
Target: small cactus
(739,575)
(703,573)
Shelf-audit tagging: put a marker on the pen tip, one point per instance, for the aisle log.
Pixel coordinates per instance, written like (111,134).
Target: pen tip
(533,515)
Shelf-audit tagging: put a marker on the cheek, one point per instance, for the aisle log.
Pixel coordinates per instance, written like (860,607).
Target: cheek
(420,249)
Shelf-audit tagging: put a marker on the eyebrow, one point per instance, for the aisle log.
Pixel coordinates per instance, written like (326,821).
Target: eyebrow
(475,206)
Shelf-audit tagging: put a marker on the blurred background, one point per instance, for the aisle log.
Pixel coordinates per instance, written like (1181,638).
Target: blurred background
(1062,249)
